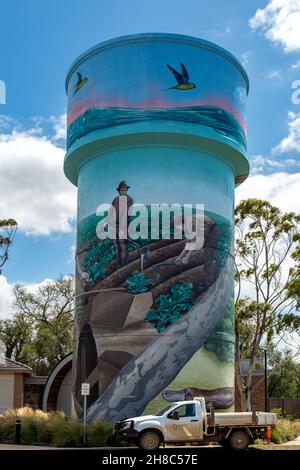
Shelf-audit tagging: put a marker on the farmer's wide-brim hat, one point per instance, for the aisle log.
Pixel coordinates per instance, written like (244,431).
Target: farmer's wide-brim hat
(122,185)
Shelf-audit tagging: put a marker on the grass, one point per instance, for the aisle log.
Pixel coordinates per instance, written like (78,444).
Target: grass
(55,429)
(296,427)
(286,430)
(283,432)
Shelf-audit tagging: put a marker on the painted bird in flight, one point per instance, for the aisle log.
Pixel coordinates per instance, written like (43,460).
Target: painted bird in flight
(80,82)
(182,79)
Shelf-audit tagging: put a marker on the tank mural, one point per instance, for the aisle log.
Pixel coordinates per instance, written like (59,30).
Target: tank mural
(156,144)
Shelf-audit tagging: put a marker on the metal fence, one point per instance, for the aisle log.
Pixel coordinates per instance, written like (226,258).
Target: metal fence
(288,406)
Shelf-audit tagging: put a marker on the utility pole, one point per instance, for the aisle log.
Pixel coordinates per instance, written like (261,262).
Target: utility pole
(266,381)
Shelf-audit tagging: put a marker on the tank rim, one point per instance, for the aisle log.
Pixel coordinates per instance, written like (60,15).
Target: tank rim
(144,37)
(91,146)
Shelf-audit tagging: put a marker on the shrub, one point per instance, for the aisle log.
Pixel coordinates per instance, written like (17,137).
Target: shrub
(138,283)
(26,412)
(35,425)
(296,427)
(283,432)
(7,428)
(98,434)
(172,306)
(54,421)
(97,259)
(31,430)
(285,427)
(278,411)
(258,441)
(52,428)
(275,436)
(67,434)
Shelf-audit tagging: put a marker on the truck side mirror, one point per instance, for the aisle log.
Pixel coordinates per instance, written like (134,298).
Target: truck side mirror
(173,415)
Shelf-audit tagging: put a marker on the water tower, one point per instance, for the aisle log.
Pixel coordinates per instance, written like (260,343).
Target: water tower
(158,119)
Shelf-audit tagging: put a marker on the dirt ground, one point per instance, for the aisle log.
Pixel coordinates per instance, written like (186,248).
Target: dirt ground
(290,445)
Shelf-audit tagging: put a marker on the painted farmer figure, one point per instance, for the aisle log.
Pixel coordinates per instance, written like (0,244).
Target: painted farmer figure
(121,204)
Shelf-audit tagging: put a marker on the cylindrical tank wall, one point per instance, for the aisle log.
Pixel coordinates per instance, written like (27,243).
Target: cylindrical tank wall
(160,119)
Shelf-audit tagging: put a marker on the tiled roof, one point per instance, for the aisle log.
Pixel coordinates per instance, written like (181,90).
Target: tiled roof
(9,364)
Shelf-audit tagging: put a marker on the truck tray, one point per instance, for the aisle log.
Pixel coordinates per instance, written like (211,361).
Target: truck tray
(259,418)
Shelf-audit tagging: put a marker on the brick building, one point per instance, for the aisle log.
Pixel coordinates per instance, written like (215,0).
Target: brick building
(258,393)
(12,377)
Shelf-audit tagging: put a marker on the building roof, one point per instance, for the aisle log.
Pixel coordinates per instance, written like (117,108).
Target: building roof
(259,368)
(7,364)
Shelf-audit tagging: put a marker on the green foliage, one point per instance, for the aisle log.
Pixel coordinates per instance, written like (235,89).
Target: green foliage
(283,432)
(276,436)
(38,427)
(221,342)
(52,343)
(296,427)
(86,232)
(224,244)
(138,283)
(8,228)
(171,307)
(266,239)
(284,379)
(40,333)
(97,259)
(7,429)
(67,434)
(16,334)
(98,434)
(278,411)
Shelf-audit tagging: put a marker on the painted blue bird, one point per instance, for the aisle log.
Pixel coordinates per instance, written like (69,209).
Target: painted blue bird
(182,79)
(80,82)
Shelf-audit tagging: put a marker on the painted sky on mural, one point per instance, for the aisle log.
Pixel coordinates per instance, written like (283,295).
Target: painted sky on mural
(38,42)
(110,79)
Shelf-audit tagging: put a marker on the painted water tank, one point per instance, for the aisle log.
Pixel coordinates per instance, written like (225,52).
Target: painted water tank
(156,145)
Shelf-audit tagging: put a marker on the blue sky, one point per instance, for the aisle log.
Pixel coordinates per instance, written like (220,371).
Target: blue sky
(38,42)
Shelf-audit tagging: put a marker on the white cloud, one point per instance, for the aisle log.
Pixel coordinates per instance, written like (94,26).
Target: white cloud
(296,66)
(280,21)
(261,164)
(59,124)
(220,33)
(280,188)
(72,252)
(33,188)
(245,57)
(6,298)
(272,74)
(7,122)
(292,141)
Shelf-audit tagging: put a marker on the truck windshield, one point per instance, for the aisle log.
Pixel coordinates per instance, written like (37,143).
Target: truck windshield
(161,412)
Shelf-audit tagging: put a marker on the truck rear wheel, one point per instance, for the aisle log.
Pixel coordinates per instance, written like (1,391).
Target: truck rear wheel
(239,440)
(149,440)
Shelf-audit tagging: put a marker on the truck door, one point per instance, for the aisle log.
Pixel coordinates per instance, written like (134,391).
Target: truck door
(184,423)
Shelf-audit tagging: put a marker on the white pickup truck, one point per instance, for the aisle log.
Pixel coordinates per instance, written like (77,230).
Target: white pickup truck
(188,422)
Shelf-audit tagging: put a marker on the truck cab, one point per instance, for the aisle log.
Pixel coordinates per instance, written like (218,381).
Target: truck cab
(188,422)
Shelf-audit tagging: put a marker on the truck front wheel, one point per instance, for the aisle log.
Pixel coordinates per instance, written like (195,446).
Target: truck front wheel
(239,440)
(149,440)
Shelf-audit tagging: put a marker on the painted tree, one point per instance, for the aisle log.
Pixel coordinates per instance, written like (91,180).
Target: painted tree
(8,228)
(268,269)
